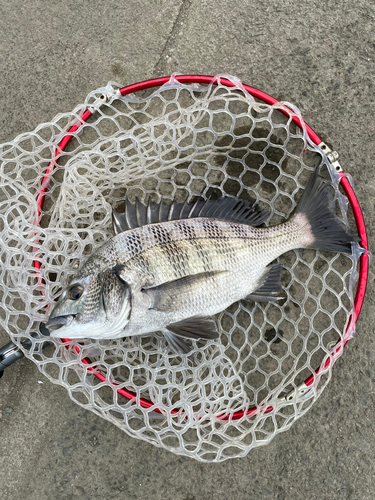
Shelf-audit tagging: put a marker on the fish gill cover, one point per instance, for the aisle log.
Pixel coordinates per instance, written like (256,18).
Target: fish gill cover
(180,141)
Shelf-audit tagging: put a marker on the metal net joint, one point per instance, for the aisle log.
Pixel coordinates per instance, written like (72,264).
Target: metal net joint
(332,156)
(104,98)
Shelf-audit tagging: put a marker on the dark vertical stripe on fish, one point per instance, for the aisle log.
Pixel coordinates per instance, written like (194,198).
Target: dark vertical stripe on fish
(187,229)
(178,257)
(228,249)
(135,243)
(202,254)
(145,267)
(214,229)
(238,231)
(160,234)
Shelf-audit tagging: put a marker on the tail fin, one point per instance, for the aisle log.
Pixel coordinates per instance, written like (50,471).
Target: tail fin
(318,206)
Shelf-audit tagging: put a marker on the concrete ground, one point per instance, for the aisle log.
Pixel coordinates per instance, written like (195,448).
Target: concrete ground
(318,55)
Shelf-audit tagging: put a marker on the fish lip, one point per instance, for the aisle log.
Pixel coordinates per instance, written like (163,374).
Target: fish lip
(58,322)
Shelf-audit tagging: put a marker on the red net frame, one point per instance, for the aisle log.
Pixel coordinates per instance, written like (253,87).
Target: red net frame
(344,182)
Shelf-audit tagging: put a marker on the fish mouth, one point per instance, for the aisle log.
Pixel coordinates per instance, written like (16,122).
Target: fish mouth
(58,322)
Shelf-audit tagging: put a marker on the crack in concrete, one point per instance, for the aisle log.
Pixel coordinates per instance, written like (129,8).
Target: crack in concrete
(159,67)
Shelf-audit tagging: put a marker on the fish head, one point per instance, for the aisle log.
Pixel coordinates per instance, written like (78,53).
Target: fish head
(96,306)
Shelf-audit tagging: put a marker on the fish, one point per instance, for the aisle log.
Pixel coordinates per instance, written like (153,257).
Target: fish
(172,267)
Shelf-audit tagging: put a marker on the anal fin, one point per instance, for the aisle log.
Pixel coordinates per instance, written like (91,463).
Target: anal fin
(269,283)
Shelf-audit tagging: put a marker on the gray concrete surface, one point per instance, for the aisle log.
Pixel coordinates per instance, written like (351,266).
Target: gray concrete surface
(319,55)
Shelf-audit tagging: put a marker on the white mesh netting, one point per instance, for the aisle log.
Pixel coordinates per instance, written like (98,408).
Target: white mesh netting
(178,141)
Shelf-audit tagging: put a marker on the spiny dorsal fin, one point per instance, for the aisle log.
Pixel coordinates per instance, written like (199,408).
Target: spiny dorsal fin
(230,209)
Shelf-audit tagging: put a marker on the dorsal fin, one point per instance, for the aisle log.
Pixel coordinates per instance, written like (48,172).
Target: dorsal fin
(230,209)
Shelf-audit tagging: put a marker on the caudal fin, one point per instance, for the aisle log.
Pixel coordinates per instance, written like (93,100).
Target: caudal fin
(318,206)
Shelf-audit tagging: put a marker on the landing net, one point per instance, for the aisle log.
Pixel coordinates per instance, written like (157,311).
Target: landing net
(58,185)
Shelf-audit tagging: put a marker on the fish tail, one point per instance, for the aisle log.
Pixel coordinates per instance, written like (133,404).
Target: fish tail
(316,213)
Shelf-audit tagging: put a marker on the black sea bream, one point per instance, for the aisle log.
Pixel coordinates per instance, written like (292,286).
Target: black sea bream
(172,267)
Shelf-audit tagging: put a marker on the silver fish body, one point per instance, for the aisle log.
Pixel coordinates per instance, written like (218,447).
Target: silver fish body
(172,275)
(226,260)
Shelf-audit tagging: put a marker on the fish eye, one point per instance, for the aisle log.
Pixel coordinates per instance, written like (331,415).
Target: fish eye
(75,292)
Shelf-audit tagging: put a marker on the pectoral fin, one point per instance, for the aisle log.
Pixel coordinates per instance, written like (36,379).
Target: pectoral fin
(168,296)
(269,283)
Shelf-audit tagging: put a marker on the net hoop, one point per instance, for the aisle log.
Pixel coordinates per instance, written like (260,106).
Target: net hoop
(344,181)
